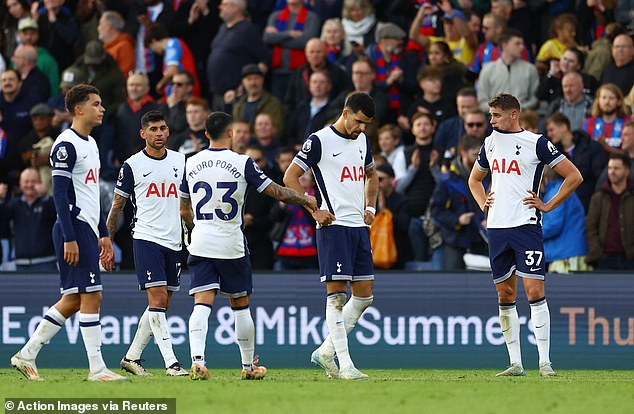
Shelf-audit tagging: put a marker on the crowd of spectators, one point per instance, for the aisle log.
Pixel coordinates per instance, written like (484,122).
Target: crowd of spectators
(283,69)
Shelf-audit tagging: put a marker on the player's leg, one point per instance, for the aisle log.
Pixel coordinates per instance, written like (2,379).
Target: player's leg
(132,361)
(503,266)
(158,300)
(49,326)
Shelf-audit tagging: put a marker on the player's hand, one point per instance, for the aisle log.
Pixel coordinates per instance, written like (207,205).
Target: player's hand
(248,219)
(71,253)
(324,217)
(106,253)
(535,202)
(368,217)
(488,203)
(3,190)
(311,206)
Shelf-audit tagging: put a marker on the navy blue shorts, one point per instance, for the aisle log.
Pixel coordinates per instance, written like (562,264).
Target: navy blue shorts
(344,253)
(518,249)
(85,277)
(156,265)
(232,277)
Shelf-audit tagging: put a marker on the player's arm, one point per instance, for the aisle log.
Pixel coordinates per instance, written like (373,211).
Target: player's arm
(572,180)
(476,186)
(112,223)
(371,193)
(291,180)
(290,195)
(187,214)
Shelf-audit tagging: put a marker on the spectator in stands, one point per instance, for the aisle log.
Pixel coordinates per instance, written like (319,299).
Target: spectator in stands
(35,147)
(316,60)
(454,209)
(237,44)
(256,100)
(418,184)
(283,160)
(338,49)
(193,139)
(33,215)
(565,245)
(586,154)
(462,42)
(102,72)
(574,103)
(29,35)
(608,117)
(450,130)
(624,11)
(610,219)
(128,119)
(288,32)
(151,11)
(15,10)
(529,120)
(241,137)
(359,22)
(430,82)
(476,124)
(313,113)
(59,30)
(393,149)
(390,199)
(116,42)
(627,145)
(265,137)
(550,87)
(385,57)
(600,54)
(488,51)
(176,56)
(621,70)
(256,219)
(563,31)
(441,57)
(70,77)
(176,101)
(33,79)
(509,74)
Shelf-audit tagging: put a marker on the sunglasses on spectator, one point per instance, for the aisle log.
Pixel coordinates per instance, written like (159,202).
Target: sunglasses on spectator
(179,84)
(474,124)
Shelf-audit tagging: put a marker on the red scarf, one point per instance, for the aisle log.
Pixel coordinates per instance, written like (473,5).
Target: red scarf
(382,73)
(298,57)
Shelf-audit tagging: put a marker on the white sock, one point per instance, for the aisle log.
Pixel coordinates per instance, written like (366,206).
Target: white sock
(198,324)
(245,335)
(540,316)
(334,319)
(352,311)
(91,333)
(510,323)
(158,323)
(141,338)
(45,331)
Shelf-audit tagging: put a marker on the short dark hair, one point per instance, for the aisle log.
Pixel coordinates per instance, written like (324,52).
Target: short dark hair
(217,123)
(155,31)
(505,102)
(467,92)
(386,169)
(183,72)
(284,150)
(360,101)
(508,34)
(151,116)
(419,114)
(78,94)
(558,118)
(469,142)
(426,72)
(625,158)
(15,71)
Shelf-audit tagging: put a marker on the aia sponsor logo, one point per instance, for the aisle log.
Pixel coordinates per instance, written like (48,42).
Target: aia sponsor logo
(352,173)
(505,166)
(161,190)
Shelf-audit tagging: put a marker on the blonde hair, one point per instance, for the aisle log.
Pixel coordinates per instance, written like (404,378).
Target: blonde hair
(350,4)
(620,109)
(335,21)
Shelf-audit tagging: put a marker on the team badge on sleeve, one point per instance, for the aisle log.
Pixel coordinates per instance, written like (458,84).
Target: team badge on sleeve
(62,154)
(120,178)
(307,145)
(553,150)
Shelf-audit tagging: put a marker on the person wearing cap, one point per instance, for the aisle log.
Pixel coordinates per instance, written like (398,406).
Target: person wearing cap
(70,77)
(102,72)
(29,35)
(394,202)
(385,57)
(116,43)
(33,79)
(460,39)
(237,43)
(59,31)
(287,33)
(316,60)
(256,100)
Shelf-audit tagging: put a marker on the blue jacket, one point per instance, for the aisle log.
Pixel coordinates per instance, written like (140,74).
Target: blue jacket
(564,227)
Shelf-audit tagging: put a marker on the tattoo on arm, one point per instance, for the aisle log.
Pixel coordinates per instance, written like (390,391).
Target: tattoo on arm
(187,213)
(287,195)
(113,217)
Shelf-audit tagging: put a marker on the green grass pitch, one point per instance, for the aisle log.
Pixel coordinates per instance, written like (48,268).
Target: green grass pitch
(388,391)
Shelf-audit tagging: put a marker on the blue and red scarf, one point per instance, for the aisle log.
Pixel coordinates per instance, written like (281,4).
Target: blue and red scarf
(281,23)
(332,53)
(382,72)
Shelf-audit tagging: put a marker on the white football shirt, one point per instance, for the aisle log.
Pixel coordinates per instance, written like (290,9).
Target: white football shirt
(151,184)
(216,180)
(516,161)
(77,157)
(338,163)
